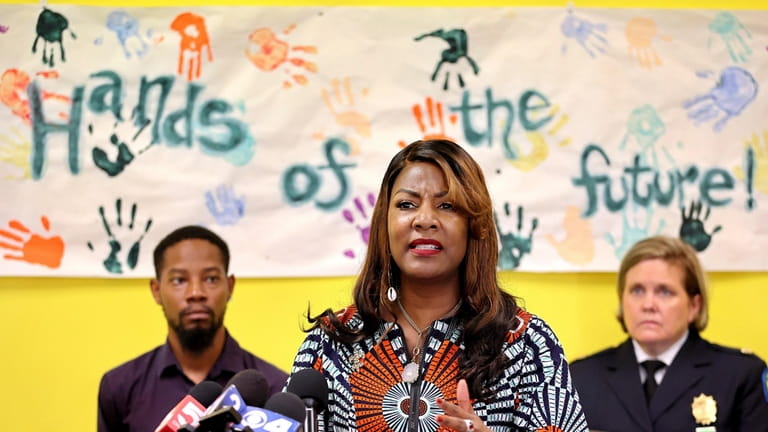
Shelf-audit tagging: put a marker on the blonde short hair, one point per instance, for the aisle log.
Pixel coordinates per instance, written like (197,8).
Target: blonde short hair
(676,252)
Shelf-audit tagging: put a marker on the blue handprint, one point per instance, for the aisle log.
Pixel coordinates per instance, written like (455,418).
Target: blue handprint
(364,226)
(692,227)
(126,28)
(587,34)
(229,209)
(514,246)
(646,127)
(730,30)
(112,263)
(457,49)
(735,89)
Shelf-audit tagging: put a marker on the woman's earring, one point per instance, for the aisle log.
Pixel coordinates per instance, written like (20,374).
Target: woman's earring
(391,294)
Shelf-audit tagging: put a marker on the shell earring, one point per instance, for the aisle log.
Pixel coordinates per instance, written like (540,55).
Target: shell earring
(391,294)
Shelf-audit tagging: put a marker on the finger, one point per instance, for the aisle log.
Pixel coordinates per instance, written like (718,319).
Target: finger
(462,396)
(456,424)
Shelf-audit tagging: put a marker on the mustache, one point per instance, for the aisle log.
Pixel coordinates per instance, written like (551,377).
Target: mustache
(196,309)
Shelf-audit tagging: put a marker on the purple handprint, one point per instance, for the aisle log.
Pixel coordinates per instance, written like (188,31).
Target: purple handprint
(735,89)
(586,33)
(365,227)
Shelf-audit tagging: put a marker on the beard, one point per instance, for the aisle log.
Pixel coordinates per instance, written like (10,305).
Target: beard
(198,337)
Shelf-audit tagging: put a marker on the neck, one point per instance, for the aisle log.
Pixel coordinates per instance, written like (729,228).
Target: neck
(425,307)
(196,365)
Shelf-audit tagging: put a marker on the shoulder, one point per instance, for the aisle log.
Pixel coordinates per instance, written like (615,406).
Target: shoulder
(124,376)
(742,357)
(597,359)
(529,327)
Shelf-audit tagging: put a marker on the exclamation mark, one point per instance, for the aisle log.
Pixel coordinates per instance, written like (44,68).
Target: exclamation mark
(749,177)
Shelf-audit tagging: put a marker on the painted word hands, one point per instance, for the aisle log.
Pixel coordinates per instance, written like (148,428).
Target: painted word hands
(229,209)
(514,245)
(692,227)
(112,263)
(30,247)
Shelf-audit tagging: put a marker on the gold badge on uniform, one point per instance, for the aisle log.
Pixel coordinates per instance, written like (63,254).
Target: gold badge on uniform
(704,409)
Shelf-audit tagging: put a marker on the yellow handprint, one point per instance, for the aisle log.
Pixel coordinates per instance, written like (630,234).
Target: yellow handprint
(539,147)
(15,151)
(341,94)
(578,247)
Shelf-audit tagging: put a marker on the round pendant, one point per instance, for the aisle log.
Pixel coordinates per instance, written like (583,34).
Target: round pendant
(410,372)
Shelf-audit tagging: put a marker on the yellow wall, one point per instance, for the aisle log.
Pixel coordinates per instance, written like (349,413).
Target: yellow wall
(60,335)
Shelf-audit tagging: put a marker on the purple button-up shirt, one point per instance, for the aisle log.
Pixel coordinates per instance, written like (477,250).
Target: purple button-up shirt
(136,396)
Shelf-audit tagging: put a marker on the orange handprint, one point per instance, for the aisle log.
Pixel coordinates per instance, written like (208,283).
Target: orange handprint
(194,39)
(340,101)
(34,248)
(13,92)
(640,33)
(433,127)
(267,53)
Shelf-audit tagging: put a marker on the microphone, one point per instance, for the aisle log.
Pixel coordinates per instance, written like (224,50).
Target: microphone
(205,392)
(311,387)
(246,388)
(283,412)
(190,408)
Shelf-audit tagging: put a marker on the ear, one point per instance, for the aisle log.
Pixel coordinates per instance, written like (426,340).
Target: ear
(154,287)
(695,310)
(231,286)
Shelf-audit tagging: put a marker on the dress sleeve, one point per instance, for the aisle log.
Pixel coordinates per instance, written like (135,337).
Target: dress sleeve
(545,392)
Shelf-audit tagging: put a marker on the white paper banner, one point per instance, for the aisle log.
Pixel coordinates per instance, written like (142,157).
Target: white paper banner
(273,127)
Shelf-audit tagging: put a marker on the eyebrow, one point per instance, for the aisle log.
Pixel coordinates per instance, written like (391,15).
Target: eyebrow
(414,193)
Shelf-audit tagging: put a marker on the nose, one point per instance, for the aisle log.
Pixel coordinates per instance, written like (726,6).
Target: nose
(425,218)
(648,302)
(195,291)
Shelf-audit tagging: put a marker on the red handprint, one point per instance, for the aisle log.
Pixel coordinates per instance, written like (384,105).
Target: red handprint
(433,127)
(34,248)
(194,39)
(267,53)
(13,92)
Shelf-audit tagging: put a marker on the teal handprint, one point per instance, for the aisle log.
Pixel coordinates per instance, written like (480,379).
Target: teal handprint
(514,245)
(112,263)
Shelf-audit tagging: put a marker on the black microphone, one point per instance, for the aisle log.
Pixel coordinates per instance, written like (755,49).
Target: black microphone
(189,410)
(311,387)
(282,412)
(205,392)
(246,388)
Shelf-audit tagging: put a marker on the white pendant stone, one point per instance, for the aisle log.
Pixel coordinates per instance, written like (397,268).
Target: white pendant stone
(410,372)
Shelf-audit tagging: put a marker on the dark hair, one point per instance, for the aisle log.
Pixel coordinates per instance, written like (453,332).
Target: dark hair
(487,311)
(187,233)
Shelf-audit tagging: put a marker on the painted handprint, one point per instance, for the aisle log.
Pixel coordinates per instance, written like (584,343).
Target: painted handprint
(361,222)
(225,206)
(431,120)
(124,154)
(340,101)
(735,89)
(267,53)
(514,245)
(458,48)
(692,228)
(589,36)
(126,28)
(640,33)
(732,32)
(13,93)
(539,141)
(112,263)
(578,246)
(4,28)
(15,152)
(632,231)
(194,40)
(31,247)
(50,27)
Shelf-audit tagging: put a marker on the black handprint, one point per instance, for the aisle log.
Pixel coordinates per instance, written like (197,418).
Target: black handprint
(514,245)
(692,229)
(112,263)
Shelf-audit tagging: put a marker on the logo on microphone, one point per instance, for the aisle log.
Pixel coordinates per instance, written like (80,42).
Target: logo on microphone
(255,419)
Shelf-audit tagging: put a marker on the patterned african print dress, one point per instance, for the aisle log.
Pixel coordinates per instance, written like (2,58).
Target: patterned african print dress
(367,393)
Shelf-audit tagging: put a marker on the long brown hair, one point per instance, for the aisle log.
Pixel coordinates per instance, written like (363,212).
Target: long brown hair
(487,311)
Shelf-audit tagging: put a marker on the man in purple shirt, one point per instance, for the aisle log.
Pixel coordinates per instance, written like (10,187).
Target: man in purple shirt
(193,287)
